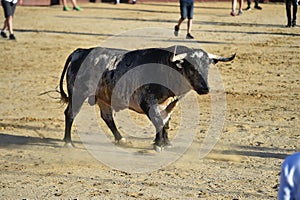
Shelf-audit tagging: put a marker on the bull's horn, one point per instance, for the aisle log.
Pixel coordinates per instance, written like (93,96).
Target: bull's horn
(175,57)
(178,57)
(215,59)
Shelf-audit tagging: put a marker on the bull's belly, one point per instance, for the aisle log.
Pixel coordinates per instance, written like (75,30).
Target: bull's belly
(136,107)
(165,108)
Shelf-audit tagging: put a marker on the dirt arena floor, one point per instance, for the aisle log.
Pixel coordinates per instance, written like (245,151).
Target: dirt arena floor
(262,90)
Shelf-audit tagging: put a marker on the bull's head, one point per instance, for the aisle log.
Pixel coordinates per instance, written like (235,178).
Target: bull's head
(194,64)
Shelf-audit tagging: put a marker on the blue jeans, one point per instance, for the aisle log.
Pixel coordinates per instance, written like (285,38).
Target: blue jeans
(186,9)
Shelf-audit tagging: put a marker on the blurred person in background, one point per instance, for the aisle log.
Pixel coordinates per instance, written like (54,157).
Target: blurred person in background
(233,7)
(256,6)
(74,3)
(289,188)
(186,11)
(9,8)
(291,22)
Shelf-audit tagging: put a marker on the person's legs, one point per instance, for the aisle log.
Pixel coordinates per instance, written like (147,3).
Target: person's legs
(183,14)
(74,3)
(249,3)
(241,3)
(190,14)
(233,6)
(189,25)
(75,6)
(176,28)
(10,25)
(7,12)
(295,8)
(64,2)
(179,22)
(10,21)
(5,27)
(256,6)
(65,6)
(10,28)
(288,12)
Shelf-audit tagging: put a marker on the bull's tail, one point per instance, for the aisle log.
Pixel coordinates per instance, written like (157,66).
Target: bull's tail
(63,96)
(215,59)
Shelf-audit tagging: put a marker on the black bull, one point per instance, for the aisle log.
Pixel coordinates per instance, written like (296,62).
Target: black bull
(94,74)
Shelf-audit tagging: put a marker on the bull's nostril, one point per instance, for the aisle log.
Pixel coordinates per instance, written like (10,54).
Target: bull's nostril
(206,90)
(203,91)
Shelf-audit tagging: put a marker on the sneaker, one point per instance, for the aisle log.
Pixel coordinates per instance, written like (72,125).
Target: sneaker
(66,8)
(3,34)
(176,30)
(133,2)
(232,14)
(258,7)
(240,12)
(248,8)
(12,37)
(293,23)
(77,8)
(288,25)
(189,36)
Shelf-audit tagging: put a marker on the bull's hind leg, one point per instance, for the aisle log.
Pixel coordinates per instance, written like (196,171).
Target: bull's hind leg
(71,111)
(107,116)
(68,125)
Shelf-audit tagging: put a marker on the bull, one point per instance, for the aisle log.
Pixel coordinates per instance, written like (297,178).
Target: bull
(94,74)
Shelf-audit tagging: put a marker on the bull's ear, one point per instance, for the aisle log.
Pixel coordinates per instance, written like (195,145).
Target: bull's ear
(178,57)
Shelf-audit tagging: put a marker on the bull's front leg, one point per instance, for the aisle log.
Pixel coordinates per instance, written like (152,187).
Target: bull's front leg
(154,114)
(107,116)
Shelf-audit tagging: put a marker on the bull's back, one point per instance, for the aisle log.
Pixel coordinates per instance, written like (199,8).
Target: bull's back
(87,67)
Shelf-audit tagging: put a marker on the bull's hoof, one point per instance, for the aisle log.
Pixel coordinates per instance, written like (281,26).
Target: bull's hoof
(168,145)
(157,148)
(121,141)
(69,145)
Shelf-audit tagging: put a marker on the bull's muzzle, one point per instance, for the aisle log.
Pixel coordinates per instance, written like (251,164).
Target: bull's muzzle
(203,91)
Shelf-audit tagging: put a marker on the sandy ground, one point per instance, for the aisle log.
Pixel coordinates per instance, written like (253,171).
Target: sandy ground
(262,118)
